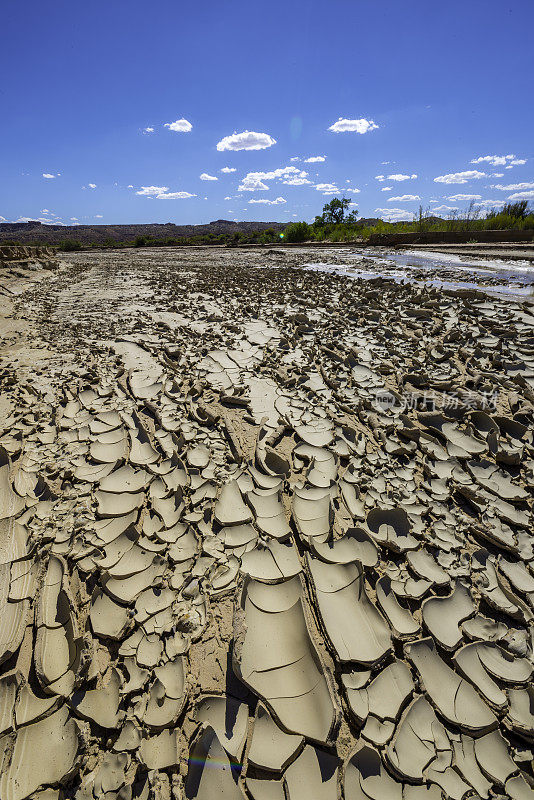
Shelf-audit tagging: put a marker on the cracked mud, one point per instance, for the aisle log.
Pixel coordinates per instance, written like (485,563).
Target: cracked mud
(264,533)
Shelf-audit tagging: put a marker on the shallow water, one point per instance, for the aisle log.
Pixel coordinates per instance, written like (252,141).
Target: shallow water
(496,277)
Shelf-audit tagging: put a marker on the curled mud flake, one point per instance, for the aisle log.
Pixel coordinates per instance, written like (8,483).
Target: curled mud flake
(402,623)
(271,748)
(354,545)
(456,700)
(391,528)
(228,718)
(354,626)
(53,744)
(211,772)
(366,778)
(313,774)
(312,513)
(444,615)
(100,706)
(278,661)
(230,508)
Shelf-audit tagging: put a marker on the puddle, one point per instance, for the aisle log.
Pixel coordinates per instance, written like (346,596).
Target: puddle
(447,271)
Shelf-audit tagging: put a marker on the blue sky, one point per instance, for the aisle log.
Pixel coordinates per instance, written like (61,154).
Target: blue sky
(422,89)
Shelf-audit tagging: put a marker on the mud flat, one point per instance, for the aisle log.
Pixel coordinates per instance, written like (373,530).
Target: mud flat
(265,531)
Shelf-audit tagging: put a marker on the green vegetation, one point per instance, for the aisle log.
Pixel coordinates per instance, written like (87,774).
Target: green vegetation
(267,236)
(297,232)
(336,225)
(70,245)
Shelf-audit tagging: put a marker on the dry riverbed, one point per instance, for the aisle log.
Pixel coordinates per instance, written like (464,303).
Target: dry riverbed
(265,530)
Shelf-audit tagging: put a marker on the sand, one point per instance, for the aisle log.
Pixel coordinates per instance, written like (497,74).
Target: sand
(265,532)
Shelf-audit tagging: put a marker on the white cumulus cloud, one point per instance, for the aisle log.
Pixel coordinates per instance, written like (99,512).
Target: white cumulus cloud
(246,140)
(179,126)
(277,202)
(404,198)
(48,175)
(314,159)
(399,176)
(206,177)
(227,170)
(163,193)
(353,125)
(152,191)
(386,189)
(148,129)
(514,187)
(352,190)
(528,195)
(92,185)
(442,209)
(460,177)
(251,183)
(254,181)
(458,198)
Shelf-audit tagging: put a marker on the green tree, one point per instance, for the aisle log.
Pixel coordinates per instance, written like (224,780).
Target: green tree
(334,211)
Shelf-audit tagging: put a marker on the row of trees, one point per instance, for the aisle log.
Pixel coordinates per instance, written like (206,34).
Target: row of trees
(337,223)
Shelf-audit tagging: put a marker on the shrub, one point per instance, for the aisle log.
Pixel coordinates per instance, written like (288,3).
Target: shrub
(140,241)
(69,245)
(297,232)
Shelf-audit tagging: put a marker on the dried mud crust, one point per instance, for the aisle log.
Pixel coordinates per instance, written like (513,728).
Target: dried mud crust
(264,533)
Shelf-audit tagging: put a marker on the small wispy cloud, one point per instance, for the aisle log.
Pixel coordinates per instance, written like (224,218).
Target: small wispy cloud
(490,203)
(205,177)
(246,140)
(314,159)
(278,201)
(510,160)
(394,214)
(399,176)
(148,129)
(179,126)
(386,189)
(48,176)
(92,185)
(174,195)
(458,198)
(442,209)
(404,198)
(227,170)
(296,181)
(344,125)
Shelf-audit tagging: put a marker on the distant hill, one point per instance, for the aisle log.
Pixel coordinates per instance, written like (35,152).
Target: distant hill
(36,233)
